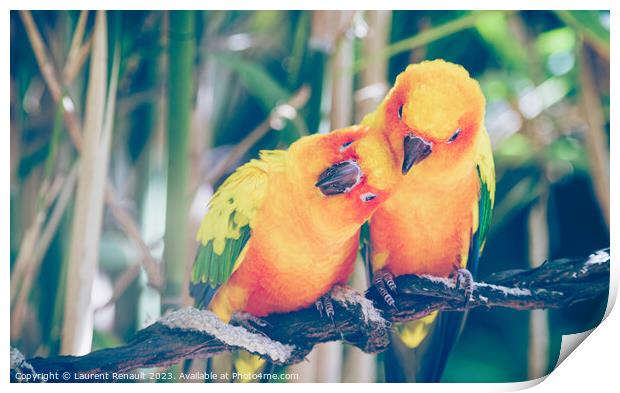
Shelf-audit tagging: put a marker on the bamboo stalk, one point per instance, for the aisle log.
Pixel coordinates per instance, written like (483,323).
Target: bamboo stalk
(181,53)
(342,84)
(29,239)
(38,239)
(15,127)
(73,62)
(40,52)
(49,75)
(47,193)
(374,83)
(36,252)
(73,67)
(86,227)
(121,284)
(538,342)
(74,127)
(596,144)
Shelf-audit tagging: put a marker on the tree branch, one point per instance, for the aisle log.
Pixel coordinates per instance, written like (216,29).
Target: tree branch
(362,321)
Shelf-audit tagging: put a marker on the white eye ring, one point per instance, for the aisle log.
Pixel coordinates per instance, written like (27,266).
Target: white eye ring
(455,135)
(400,112)
(367,197)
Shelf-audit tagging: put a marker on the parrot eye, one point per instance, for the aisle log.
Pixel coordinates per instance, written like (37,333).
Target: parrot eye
(400,112)
(455,135)
(345,146)
(367,197)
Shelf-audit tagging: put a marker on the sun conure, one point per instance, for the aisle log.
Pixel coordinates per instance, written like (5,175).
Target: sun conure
(282,230)
(437,218)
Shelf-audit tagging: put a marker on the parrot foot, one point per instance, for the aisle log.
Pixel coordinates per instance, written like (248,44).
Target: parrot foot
(248,321)
(465,283)
(325,304)
(388,278)
(384,280)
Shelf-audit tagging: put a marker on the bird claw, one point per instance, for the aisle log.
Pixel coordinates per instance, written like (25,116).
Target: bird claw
(387,278)
(389,281)
(325,304)
(249,321)
(384,282)
(465,283)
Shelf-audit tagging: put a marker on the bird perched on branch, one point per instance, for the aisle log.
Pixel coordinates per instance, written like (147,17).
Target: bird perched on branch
(281,231)
(437,219)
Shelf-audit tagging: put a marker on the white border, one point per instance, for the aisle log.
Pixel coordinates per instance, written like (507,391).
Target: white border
(593,364)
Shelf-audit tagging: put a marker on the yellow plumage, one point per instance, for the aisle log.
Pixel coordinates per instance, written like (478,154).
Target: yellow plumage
(238,199)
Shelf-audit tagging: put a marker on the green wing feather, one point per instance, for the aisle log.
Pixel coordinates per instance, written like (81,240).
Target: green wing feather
(364,249)
(226,228)
(486,200)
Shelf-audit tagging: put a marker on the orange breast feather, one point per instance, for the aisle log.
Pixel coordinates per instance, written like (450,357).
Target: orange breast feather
(288,264)
(424,230)
(302,242)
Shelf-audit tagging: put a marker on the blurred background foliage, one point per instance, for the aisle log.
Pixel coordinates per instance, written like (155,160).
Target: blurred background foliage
(196,94)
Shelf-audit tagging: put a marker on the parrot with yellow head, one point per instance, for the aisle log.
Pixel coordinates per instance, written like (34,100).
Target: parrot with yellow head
(437,218)
(282,230)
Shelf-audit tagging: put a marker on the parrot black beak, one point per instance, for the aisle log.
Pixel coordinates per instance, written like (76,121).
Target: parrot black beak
(416,150)
(339,178)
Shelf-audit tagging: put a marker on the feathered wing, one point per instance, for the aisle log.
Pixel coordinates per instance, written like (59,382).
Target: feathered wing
(436,348)
(364,249)
(486,201)
(226,227)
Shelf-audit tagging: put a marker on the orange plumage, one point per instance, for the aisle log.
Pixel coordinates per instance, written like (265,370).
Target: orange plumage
(426,226)
(437,248)
(437,218)
(301,242)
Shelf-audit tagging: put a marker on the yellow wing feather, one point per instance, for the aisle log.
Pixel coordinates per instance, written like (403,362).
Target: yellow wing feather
(226,227)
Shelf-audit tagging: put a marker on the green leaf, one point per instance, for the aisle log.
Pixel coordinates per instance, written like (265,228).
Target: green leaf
(267,90)
(589,24)
(256,80)
(515,150)
(524,192)
(300,42)
(103,339)
(556,40)
(494,30)
(569,150)
(424,38)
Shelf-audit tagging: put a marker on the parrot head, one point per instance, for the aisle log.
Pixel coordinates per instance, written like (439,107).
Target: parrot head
(342,177)
(432,115)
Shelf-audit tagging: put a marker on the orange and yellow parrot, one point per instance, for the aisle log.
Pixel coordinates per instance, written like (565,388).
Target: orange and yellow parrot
(282,230)
(437,218)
